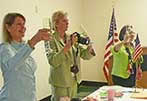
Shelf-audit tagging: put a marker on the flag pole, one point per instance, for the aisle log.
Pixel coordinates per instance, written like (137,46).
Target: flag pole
(85,32)
(113,3)
(110,42)
(135,91)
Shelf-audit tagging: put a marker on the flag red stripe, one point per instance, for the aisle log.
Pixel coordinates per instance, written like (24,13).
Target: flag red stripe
(109,44)
(138,54)
(105,73)
(106,70)
(116,40)
(115,34)
(138,47)
(107,54)
(138,51)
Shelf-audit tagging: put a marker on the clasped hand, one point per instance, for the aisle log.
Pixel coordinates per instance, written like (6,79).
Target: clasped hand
(70,42)
(42,34)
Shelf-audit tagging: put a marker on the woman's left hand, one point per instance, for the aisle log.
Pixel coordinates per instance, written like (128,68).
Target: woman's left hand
(74,39)
(42,34)
(91,50)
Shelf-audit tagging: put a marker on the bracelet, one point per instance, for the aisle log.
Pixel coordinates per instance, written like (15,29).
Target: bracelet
(29,42)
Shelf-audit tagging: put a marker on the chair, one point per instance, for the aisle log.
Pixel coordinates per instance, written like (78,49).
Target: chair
(143,81)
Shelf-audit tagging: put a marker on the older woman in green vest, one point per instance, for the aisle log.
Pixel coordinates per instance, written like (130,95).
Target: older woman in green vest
(64,55)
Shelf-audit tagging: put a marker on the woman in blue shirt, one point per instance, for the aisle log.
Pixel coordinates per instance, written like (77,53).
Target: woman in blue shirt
(17,66)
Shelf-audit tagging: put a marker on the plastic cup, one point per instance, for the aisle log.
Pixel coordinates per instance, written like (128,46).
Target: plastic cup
(111,94)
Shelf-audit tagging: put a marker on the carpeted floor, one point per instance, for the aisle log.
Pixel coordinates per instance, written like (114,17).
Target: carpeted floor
(83,90)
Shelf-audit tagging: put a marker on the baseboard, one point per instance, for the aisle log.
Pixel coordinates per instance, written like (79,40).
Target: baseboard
(93,83)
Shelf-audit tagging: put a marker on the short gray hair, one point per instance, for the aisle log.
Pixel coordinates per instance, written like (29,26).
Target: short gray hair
(56,16)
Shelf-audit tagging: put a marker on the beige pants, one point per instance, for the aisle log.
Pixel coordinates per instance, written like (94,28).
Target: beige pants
(64,93)
(65,98)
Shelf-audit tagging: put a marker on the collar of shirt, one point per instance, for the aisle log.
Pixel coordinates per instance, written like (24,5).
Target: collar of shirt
(17,45)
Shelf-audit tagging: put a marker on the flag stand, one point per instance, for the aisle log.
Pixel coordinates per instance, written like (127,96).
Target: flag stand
(136,55)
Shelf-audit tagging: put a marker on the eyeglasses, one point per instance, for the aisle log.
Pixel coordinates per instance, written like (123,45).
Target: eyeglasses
(129,29)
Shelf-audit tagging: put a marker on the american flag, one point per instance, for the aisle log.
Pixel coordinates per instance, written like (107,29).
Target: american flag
(112,38)
(138,49)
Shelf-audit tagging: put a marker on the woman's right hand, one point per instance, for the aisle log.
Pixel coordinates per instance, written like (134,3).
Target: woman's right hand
(123,42)
(126,39)
(74,39)
(42,34)
(70,42)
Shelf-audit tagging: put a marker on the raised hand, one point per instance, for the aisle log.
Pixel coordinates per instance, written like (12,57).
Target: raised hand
(91,50)
(73,39)
(42,34)
(126,39)
(70,42)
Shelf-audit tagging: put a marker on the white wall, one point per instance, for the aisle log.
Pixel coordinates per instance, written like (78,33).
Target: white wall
(35,11)
(96,19)
(97,16)
(133,12)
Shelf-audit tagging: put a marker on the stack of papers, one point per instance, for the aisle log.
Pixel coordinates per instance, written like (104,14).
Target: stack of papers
(139,95)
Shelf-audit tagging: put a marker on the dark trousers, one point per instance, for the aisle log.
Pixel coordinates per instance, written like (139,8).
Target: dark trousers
(129,82)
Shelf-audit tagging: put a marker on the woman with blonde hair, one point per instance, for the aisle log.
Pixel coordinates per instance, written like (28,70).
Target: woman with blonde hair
(64,59)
